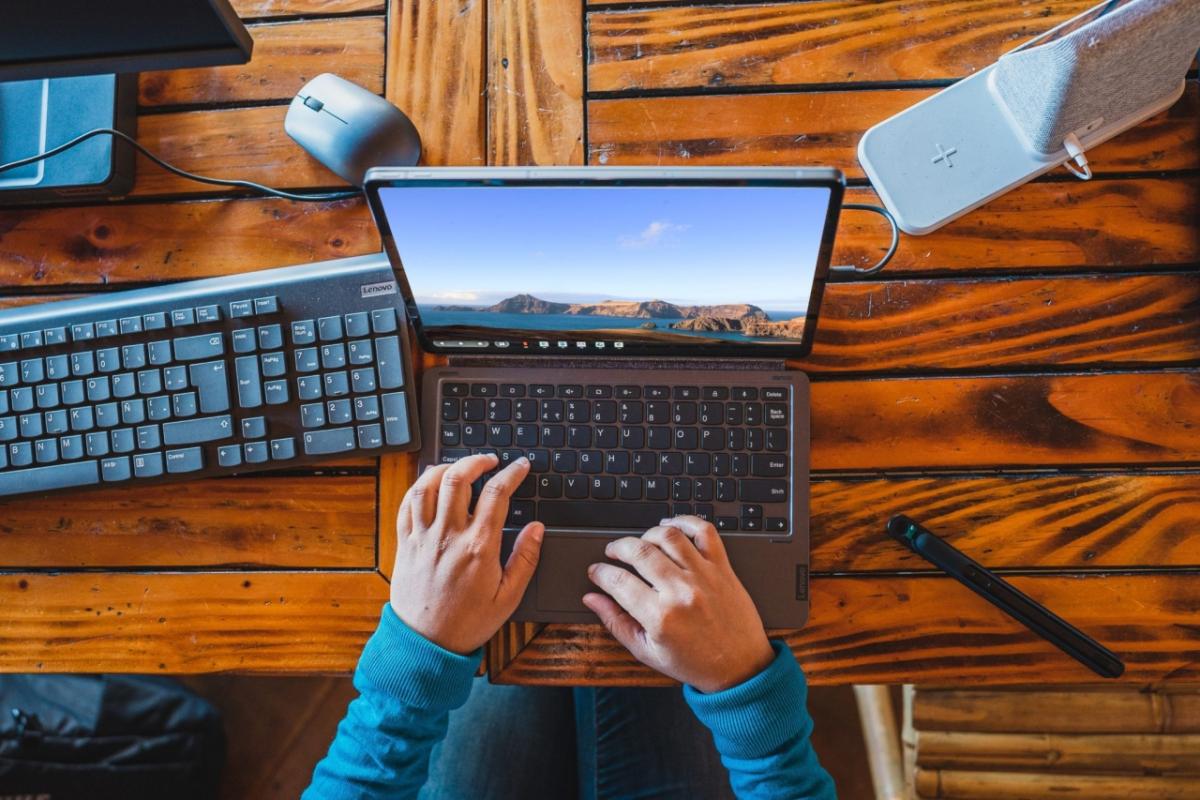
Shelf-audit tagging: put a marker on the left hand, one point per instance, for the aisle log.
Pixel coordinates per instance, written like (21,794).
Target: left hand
(448,584)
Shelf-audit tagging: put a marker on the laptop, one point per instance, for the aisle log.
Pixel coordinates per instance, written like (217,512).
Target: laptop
(626,329)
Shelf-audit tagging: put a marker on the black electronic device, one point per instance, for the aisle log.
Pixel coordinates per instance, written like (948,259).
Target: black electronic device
(262,370)
(625,329)
(84,37)
(1007,597)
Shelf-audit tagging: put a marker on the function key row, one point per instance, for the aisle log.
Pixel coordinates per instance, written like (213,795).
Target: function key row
(331,329)
(597,392)
(157,320)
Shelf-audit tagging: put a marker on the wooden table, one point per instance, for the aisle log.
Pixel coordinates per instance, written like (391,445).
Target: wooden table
(1023,380)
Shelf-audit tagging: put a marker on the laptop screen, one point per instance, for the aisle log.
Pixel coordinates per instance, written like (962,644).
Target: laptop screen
(612,269)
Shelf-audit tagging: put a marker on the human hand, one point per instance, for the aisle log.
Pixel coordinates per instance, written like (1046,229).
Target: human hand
(687,616)
(448,584)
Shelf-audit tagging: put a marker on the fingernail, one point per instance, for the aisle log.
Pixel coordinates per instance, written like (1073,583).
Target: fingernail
(523,461)
(538,532)
(666,521)
(592,569)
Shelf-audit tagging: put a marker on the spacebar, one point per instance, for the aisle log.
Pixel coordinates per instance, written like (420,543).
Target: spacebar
(43,479)
(610,514)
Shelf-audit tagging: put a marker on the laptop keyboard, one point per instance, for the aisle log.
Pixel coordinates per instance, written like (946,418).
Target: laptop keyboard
(626,455)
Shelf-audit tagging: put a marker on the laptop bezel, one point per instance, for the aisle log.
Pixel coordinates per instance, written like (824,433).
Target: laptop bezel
(831,179)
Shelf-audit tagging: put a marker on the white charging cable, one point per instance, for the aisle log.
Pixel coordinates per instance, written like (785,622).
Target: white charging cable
(1075,151)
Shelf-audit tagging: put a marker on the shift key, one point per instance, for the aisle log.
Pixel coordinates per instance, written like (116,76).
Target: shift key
(195,348)
(195,431)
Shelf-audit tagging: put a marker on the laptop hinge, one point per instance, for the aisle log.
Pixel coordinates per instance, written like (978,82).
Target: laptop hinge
(552,362)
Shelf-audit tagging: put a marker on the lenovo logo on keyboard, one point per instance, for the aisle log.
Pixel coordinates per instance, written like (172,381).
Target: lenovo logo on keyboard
(378,289)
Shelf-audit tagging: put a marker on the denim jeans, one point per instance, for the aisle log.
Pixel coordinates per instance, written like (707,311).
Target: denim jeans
(530,743)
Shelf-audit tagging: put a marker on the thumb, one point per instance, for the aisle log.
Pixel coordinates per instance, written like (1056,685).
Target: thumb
(522,561)
(624,628)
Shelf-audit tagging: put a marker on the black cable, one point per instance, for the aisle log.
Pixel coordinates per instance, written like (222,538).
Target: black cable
(891,251)
(258,187)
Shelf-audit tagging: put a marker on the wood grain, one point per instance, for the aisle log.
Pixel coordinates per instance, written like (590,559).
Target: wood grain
(535,82)
(286,56)
(1108,709)
(254,521)
(1042,227)
(272,622)
(942,324)
(445,102)
(246,143)
(715,46)
(823,129)
(1078,521)
(930,630)
(978,785)
(47,248)
(1006,422)
(1061,754)
(255,9)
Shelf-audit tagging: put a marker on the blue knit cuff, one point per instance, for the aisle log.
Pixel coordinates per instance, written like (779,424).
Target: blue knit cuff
(757,717)
(403,665)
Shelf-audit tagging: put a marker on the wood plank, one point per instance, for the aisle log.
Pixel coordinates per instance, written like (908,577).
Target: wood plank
(972,785)
(272,622)
(253,521)
(245,144)
(830,41)
(929,630)
(286,56)
(1089,521)
(1137,754)
(256,9)
(941,324)
(823,128)
(1108,709)
(446,104)
(1027,421)
(535,82)
(118,243)
(1104,224)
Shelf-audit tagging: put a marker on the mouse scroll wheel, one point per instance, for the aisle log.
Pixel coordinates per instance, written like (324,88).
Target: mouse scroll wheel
(313,103)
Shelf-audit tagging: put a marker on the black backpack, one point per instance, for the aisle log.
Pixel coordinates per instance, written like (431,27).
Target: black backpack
(106,737)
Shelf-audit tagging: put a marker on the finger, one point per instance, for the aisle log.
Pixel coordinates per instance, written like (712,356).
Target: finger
(521,563)
(624,628)
(492,509)
(670,540)
(422,497)
(454,494)
(707,540)
(645,557)
(630,591)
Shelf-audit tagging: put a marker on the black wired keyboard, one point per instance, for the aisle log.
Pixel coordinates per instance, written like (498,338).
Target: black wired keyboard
(264,370)
(624,449)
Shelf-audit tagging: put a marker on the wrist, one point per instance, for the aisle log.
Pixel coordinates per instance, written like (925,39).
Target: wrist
(758,659)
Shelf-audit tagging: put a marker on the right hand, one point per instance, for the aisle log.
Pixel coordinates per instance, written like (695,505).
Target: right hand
(687,615)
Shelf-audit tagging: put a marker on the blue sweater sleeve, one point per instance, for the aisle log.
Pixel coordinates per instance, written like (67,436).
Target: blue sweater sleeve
(761,728)
(407,687)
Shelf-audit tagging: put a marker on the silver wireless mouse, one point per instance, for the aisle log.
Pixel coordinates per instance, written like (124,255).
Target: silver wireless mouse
(350,129)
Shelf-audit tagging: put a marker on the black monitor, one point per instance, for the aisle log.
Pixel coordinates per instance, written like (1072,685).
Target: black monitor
(55,38)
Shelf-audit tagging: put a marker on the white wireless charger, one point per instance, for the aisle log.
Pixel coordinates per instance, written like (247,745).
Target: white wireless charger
(1039,106)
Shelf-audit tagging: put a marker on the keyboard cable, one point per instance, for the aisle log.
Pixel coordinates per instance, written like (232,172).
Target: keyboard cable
(257,187)
(855,272)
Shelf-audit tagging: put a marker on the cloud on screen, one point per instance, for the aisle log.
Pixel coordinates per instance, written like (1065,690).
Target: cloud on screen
(651,235)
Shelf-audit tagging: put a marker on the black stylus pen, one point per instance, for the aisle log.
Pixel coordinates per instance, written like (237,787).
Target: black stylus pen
(1007,598)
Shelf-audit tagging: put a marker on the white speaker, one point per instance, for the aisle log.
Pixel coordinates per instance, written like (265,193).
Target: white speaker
(1039,106)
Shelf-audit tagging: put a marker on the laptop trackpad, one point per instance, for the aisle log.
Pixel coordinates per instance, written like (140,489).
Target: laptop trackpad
(562,579)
